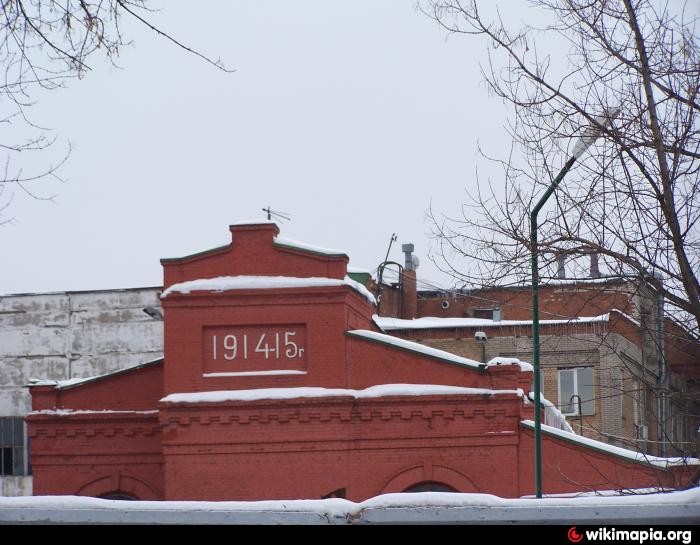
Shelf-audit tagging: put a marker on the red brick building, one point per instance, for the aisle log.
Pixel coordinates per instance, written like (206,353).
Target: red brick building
(600,343)
(276,383)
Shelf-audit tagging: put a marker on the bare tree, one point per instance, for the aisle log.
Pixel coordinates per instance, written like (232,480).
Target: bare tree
(632,72)
(43,44)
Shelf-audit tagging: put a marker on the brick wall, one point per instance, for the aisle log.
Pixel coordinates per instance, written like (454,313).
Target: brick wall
(556,301)
(99,437)
(310,447)
(97,454)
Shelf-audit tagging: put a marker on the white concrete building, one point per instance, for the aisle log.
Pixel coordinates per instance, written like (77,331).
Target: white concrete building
(65,335)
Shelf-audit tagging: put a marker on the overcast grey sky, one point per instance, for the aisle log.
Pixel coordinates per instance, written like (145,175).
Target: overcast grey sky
(351,116)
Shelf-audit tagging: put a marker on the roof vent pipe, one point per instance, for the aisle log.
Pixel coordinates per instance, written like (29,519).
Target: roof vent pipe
(595,268)
(561,266)
(408,250)
(409,291)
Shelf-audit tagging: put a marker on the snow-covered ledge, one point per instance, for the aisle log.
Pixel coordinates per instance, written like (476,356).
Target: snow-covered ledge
(417,348)
(387,323)
(88,412)
(552,415)
(245,282)
(633,456)
(524,366)
(296,245)
(382,390)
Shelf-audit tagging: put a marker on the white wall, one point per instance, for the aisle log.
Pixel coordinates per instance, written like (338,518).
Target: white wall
(69,335)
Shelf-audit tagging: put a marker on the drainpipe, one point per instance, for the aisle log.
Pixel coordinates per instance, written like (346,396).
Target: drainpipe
(663,375)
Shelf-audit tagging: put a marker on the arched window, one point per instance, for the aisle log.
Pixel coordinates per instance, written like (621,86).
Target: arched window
(118,496)
(430,486)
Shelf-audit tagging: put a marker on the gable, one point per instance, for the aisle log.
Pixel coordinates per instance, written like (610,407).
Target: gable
(257,250)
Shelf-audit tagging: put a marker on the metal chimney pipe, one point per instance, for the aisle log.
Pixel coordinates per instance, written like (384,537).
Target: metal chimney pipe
(595,268)
(409,288)
(561,266)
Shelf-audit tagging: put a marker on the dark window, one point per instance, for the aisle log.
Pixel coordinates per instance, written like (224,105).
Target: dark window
(12,449)
(487,313)
(430,486)
(118,496)
(7,458)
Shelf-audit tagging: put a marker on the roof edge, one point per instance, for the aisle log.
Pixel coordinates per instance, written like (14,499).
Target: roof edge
(189,257)
(287,244)
(481,368)
(655,462)
(75,383)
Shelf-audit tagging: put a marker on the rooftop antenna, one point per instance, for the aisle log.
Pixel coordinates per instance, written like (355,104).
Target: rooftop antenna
(380,271)
(391,241)
(276,214)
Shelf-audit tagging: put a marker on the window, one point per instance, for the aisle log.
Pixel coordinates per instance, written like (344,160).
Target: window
(576,381)
(487,313)
(118,496)
(430,486)
(12,449)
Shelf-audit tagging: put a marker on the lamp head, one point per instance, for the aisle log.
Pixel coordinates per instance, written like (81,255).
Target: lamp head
(593,132)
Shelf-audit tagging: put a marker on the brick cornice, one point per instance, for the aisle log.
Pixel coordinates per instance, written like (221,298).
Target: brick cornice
(340,409)
(77,425)
(110,431)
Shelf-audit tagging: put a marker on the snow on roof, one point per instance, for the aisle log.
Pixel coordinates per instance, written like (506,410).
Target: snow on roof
(224,283)
(253,222)
(663,463)
(552,415)
(524,366)
(79,292)
(348,510)
(69,383)
(416,348)
(556,281)
(70,412)
(627,316)
(280,241)
(426,499)
(389,324)
(330,506)
(60,383)
(382,390)
(599,493)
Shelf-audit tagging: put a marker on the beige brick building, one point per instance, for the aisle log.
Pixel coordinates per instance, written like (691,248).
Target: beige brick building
(599,341)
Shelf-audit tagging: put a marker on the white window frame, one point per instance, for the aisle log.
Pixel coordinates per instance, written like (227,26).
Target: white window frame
(564,402)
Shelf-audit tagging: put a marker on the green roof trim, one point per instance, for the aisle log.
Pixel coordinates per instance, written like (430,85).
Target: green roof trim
(481,369)
(308,250)
(360,277)
(90,380)
(195,255)
(602,450)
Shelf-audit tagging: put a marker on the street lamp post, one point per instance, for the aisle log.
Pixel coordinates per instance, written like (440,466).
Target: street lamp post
(581,145)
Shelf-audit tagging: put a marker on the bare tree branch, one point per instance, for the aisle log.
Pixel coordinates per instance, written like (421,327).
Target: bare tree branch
(43,44)
(634,197)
